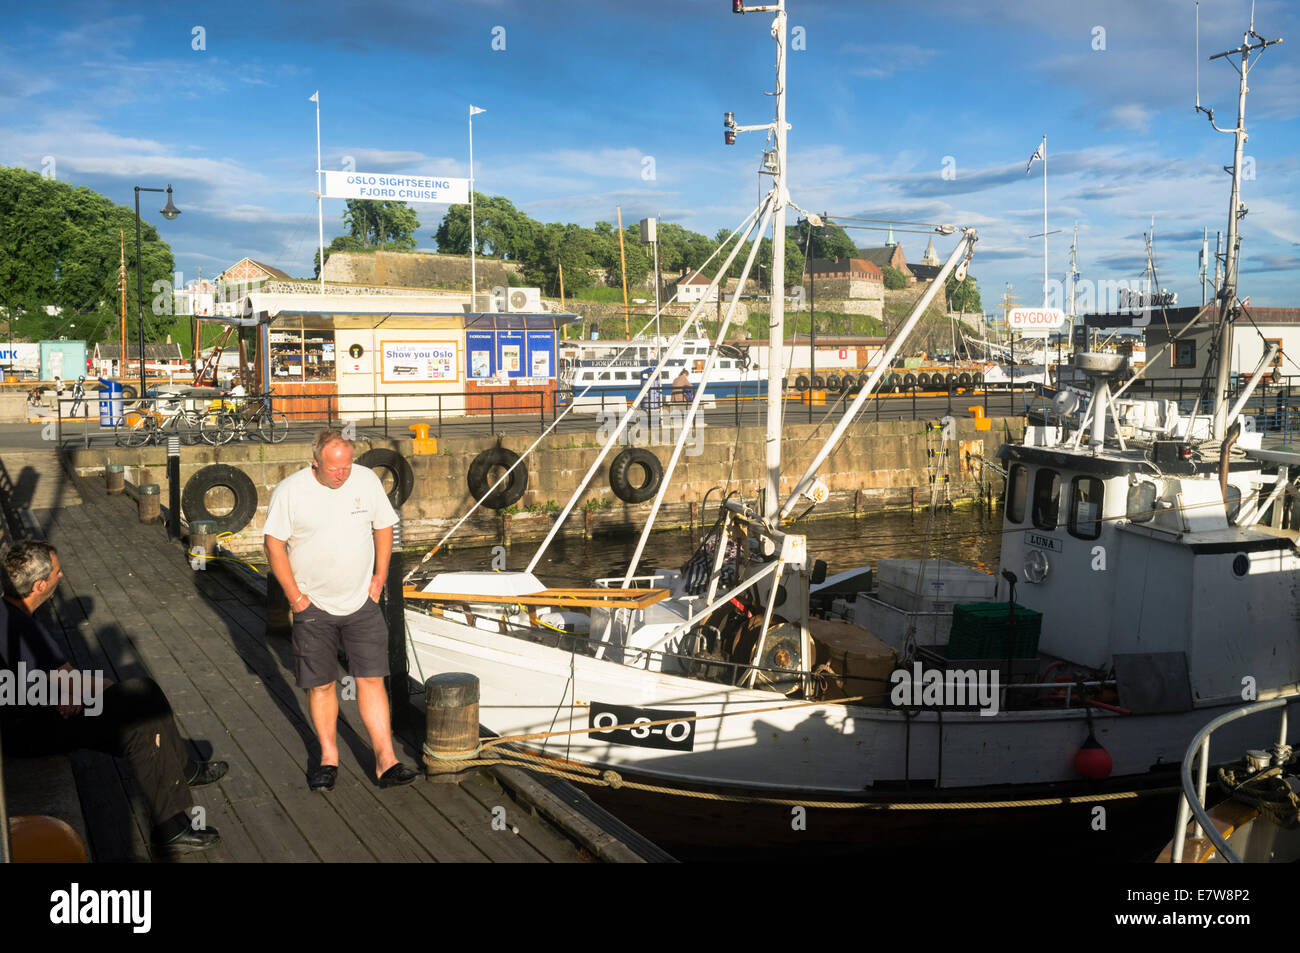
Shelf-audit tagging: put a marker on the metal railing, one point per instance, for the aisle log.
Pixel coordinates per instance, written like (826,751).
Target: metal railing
(1192,799)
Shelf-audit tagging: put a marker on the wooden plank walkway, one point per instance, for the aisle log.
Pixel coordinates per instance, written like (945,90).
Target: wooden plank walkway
(129,605)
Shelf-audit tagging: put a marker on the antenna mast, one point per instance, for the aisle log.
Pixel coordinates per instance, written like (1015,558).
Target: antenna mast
(1227,290)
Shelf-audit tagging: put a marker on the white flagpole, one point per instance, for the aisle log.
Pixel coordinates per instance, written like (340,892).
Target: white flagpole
(1044,221)
(473,275)
(320,195)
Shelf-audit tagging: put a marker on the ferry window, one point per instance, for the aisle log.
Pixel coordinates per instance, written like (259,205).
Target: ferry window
(620,375)
(1047,493)
(1017,487)
(604,376)
(1184,354)
(1085,507)
(1141,505)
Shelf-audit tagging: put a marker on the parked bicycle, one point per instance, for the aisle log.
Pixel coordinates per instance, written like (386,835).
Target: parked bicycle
(167,416)
(250,417)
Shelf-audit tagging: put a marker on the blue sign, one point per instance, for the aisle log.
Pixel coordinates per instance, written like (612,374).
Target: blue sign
(511,356)
(480,355)
(541,354)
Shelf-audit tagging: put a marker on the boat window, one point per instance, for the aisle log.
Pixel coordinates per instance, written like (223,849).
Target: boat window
(724,364)
(1085,507)
(604,376)
(1047,498)
(620,375)
(1232,500)
(1141,506)
(1017,490)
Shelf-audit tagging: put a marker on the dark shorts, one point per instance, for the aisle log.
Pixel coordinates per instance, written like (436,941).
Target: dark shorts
(317,636)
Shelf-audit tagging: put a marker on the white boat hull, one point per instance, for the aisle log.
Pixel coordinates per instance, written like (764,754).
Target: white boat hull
(828,749)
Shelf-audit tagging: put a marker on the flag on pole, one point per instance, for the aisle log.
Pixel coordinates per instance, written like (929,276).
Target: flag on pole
(1038,154)
(314,97)
(475,110)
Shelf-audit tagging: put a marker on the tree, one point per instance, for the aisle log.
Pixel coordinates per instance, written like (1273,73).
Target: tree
(59,248)
(567,245)
(381,224)
(500,229)
(964,297)
(894,279)
(828,241)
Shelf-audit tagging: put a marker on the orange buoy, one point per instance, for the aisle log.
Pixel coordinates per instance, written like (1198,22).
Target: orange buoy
(1093,761)
(40,839)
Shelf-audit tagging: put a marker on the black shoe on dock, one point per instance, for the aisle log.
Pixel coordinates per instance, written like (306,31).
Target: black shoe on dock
(175,837)
(199,773)
(322,777)
(396,776)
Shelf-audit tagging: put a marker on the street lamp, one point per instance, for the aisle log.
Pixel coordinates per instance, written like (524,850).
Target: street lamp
(169,212)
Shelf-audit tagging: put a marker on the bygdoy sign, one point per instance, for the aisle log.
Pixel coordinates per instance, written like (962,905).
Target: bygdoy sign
(1035,320)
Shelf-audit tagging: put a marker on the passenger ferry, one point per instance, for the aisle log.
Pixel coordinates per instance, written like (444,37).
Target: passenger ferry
(605,373)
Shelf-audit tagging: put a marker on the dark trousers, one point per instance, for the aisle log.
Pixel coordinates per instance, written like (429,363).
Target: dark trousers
(135,723)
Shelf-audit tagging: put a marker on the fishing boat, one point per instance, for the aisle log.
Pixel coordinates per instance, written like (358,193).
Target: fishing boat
(1146,583)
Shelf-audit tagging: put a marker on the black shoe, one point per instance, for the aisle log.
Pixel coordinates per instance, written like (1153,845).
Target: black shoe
(396,776)
(322,777)
(188,841)
(199,773)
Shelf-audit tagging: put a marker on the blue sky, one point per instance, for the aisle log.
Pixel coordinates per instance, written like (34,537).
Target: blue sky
(883,99)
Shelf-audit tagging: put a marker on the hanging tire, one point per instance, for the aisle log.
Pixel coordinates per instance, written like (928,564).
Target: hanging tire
(909,381)
(950,381)
(923,381)
(833,382)
(194,497)
(801,383)
(403,477)
(818,382)
(863,378)
(479,484)
(618,475)
(964,380)
(129,392)
(977,377)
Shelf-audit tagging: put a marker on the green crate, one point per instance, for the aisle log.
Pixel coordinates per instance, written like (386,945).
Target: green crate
(979,631)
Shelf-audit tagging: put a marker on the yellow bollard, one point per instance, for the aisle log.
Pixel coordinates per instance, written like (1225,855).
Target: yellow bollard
(423,443)
(981,422)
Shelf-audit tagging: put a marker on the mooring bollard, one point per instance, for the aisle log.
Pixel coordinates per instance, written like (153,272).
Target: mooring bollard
(203,538)
(115,475)
(149,501)
(451,725)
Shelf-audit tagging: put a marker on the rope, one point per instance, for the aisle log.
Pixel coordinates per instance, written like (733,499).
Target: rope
(582,774)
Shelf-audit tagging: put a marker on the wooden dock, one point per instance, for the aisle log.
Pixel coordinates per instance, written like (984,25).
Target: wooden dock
(130,605)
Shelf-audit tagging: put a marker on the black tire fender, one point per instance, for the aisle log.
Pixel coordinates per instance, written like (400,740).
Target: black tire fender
(818,382)
(239,483)
(801,383)
(909,381)
(382,458)
(833,382)
(479,484)
(964,380)
(622,486)
(923,381)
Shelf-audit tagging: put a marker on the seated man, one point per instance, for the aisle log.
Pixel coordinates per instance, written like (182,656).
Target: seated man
(131,720)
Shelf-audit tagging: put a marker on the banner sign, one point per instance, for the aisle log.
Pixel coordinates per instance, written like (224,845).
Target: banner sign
(21,356)
(419,362)
(1043,320)
(396,188)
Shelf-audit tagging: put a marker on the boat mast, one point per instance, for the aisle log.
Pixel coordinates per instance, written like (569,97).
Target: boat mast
(1227,292)
(775,163)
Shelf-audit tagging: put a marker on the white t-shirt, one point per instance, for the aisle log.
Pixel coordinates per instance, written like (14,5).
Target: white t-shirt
(330,535)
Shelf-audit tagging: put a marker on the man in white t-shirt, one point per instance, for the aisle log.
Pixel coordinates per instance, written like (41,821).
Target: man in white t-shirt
(328,539)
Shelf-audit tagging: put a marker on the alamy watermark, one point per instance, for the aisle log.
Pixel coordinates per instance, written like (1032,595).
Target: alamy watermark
(945,688)
(654,427)
(63,688)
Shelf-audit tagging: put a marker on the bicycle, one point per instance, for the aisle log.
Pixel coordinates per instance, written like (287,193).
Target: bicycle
(140,428)
(222,426)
